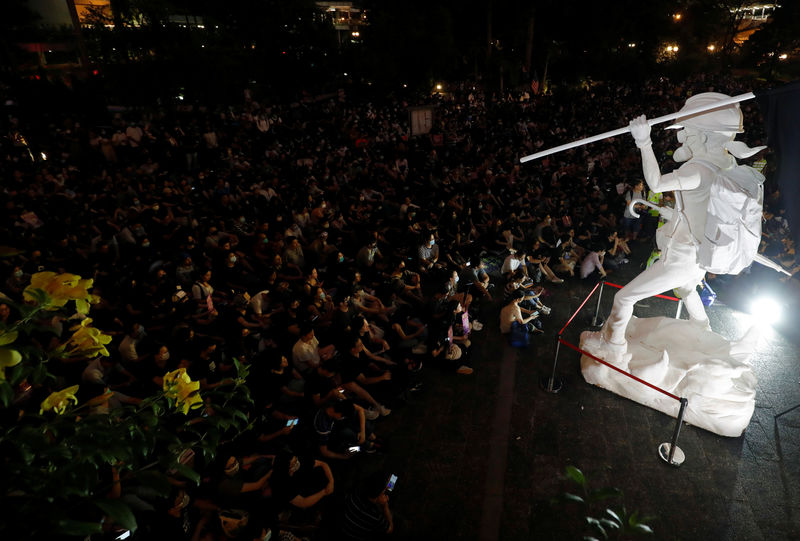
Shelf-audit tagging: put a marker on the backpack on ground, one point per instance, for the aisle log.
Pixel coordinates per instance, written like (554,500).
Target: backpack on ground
(519,337)
(733,226)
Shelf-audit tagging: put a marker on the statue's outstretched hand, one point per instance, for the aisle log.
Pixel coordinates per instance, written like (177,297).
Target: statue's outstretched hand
(640,130)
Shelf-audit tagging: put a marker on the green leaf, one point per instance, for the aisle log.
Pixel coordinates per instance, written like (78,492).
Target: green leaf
(120,512)
(239,414)
(9,357)
(8,337)
(615,516)
(78,528)
(573,498)
(6,393)
(610,524)
(188,472)
(596,525)
(602,494)
(576,475)
(641,528)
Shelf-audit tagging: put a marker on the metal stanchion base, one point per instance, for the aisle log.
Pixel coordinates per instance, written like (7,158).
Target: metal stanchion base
(677,458)
(596,322)
(551,385)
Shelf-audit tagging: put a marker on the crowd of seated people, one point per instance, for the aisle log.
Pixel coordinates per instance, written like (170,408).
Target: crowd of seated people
(263,234)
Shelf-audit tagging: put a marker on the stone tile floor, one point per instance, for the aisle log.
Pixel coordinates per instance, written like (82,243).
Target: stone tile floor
(482,456)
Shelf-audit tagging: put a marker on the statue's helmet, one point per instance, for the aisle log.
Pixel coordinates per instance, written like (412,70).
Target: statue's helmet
(726,119)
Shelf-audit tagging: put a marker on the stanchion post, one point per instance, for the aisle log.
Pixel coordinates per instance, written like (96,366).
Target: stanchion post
(553,384)
(670,452)
(680,307)
(595,322)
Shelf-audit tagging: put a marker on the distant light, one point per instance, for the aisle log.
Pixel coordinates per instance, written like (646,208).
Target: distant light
(355,34)
(180,97)
(203,46)
(711,48)
(345,74)
(438,86)
(766,310)
(631,45)
(44,156)
(405,85)
(669,48)
(677,16)
(784,56)
(283,52)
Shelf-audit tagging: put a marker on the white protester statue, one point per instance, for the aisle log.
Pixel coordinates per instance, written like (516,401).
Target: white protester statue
(707,148)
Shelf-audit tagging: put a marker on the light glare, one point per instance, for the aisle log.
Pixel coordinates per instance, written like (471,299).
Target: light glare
(766,310)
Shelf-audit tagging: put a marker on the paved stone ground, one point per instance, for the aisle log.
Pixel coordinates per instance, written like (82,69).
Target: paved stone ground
(482,456)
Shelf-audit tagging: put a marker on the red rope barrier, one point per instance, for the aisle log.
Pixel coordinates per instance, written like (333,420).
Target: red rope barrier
(659,296)
(579,308)
(579,350)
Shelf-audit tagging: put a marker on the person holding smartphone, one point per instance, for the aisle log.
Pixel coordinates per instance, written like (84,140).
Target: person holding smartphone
(343,431)
(366,515)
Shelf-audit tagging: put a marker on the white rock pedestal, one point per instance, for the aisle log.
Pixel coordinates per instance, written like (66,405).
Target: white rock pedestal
(688,361)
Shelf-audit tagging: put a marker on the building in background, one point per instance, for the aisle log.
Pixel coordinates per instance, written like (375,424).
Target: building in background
(348,20)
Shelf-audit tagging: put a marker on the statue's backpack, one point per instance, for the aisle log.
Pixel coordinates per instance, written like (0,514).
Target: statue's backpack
(733,225)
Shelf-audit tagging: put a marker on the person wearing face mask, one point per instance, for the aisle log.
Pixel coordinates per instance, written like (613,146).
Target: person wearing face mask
(127,347)
(243,480)
(17,281)
(707,146)
(152,370)
(428,253)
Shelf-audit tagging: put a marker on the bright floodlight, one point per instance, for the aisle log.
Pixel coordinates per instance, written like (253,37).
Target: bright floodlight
(766,310)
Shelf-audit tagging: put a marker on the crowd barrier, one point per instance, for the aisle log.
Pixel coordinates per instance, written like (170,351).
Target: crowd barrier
(668,451)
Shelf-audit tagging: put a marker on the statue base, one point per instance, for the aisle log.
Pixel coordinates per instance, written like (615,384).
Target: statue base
(686,360)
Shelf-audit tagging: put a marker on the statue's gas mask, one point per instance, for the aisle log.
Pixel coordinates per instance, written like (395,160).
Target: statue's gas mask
(710,132)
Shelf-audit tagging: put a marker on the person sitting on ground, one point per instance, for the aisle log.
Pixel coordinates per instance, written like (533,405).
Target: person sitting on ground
(477,278)
(593,262)
(300,483)
(244,479)
(513,262)
(449,347)
(306,353)
(366,515)
(428,253)
(342,430)
(405,284)
(539,260)
(512,313)
(452,292)
(370,371)
(617,250)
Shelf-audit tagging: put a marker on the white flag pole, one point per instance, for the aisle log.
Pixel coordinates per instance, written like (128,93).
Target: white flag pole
(651,121)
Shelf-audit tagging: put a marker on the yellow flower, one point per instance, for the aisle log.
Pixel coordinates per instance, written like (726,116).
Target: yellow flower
(62,288)
(178,386)
(59,400)
(87,341)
